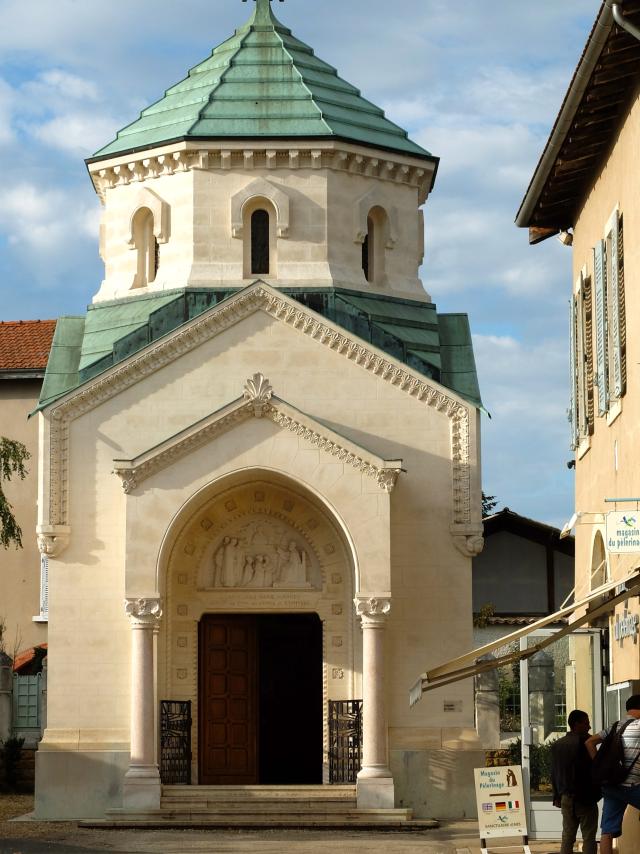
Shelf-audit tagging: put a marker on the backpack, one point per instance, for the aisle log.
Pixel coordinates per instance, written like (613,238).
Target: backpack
(609,767)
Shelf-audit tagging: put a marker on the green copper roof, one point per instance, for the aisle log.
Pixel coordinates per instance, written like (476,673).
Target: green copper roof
(436,345)
(262,82)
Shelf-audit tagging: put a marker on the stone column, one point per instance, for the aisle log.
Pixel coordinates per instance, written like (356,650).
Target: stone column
(142,780)
(375,783)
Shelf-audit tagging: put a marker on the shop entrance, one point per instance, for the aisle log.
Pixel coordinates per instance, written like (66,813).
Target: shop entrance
(260,699)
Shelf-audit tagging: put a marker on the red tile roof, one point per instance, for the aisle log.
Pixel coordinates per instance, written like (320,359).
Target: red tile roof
(25,344)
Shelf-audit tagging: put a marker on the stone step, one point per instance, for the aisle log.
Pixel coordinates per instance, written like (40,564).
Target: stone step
(257,795)
(283,808)
(264,793)
(362,819)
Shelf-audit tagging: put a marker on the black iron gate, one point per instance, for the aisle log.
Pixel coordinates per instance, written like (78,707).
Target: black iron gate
(345,740)
(175,742)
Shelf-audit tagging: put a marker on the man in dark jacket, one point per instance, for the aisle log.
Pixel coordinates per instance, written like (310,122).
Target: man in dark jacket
(573,790)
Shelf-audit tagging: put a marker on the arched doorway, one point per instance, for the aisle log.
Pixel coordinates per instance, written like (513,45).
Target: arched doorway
(259,629)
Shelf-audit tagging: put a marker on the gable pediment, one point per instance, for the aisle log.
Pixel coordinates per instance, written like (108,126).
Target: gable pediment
(258,401)
(261,297)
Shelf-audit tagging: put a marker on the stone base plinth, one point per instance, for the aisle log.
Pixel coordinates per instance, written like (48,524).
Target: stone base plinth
(375,793)
(141,789)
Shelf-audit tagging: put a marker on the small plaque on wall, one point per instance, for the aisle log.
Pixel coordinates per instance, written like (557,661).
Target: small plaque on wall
(453,705)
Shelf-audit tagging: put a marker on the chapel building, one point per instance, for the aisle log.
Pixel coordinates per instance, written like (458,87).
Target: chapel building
(259,478)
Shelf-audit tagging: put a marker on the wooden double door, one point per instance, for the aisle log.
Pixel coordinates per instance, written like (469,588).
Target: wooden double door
(260,699)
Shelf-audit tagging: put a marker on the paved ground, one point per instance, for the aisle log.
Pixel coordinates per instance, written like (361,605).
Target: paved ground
(67,838)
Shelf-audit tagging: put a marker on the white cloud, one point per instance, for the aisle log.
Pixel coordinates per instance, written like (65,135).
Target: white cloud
(69,85)
(45,222)
(79,134)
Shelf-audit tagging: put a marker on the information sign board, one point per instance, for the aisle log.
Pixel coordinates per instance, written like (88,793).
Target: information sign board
(500,799)
(623,531)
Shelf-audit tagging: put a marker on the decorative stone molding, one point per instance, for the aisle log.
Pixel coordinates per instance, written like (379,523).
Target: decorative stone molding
(261,189)
(374,198)
(258,392)
(146,198)
(53,539)
(373,609)
(258,401)
(144,612)
(337,156)
(257,297)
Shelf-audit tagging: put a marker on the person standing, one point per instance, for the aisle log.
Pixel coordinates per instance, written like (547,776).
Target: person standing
(626,793)
(573,790)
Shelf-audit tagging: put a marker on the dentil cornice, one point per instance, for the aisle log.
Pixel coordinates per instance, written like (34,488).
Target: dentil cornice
(185,157)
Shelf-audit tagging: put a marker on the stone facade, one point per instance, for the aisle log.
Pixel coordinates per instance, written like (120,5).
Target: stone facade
(259,459)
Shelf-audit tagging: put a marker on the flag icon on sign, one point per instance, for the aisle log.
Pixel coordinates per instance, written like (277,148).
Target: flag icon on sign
(487,807)
(514,805)
(501,805)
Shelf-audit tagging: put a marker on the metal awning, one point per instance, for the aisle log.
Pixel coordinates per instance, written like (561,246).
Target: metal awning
(470,664)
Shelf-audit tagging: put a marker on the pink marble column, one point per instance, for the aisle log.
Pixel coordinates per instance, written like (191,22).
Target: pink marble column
(375,782)
(142,780)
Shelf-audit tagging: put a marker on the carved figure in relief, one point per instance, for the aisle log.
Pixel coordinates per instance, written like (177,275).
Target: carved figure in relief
(261,555)
(293,567)
(229,563)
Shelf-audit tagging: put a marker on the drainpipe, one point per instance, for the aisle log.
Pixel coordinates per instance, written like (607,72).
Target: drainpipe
(621,21)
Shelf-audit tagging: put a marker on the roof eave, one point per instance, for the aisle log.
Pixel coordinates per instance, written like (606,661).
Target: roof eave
(582,75)
(426,157)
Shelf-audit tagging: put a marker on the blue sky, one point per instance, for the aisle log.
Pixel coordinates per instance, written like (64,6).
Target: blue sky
(479,84)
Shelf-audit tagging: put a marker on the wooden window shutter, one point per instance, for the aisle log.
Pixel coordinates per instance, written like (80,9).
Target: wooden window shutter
(618,326)
(573,372)
(601,378)
(587,307)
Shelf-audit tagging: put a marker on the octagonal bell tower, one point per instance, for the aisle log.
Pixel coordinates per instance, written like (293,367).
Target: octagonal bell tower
(262,163)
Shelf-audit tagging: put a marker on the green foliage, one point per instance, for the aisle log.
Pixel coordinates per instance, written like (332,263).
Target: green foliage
(13,456)
(481,619)
(489,503)
(539,764)
(11,751)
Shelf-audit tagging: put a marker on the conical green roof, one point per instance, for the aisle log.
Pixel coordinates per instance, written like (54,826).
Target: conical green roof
(262,82)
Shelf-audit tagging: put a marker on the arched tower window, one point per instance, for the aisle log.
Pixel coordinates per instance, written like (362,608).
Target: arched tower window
(147,249)
(260,242)
(374,246)
(260,237)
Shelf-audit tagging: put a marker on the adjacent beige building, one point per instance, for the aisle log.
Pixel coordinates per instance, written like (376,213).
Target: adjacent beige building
(586,188)
(24,349)
(259,477)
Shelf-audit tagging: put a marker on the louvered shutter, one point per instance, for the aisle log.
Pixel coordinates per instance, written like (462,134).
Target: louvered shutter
(573,376)
(602,376)
(613,288)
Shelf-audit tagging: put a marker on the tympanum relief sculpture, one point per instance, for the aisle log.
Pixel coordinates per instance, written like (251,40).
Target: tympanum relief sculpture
(260,554)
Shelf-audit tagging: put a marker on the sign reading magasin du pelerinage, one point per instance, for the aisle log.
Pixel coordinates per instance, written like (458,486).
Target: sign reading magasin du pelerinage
(500,801)
(623,531)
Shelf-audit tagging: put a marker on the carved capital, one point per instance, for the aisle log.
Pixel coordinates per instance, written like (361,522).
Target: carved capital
(469,542)
(387,479)
(258,392)
(373,610)
(53,539)
(144,612)
(128,476)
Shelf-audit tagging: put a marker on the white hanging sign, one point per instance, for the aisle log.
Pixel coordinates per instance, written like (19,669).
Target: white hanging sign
(500,800)
(623,531)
